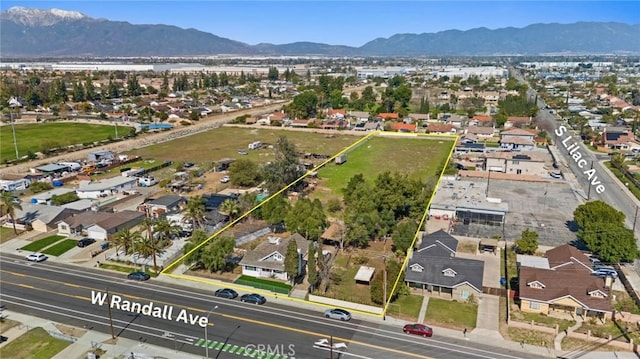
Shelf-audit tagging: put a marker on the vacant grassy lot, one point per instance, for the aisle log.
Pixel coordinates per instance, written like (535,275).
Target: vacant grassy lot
(531,337)
(35,137)
(451,314)
(127,269)
(224,142)
(417,157)
(264,284)
(61,247)
(41,243)
(34,344)
(6,234)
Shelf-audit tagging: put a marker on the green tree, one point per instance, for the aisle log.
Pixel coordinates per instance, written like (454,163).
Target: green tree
(195,212)
(59,200)
(307,217)
(8,208)
(127,239)
(273,73)
(194,115)
(78,92)
(229,208)
(528,242)
(216,253)
(193,247)
(394,270)
(312,266)
(275,210)
(285,168)
(292,260)
(90,90)
(304,105)
(595,212)
(133,86)
(245,172)
(404,234)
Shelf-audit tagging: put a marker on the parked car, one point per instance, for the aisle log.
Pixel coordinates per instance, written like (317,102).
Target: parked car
(225,179)
(141,276)
(253,298)
(85,242)
(37,257)
(594,261)
(605,272)
(337,313)
(418,329)
(226,293)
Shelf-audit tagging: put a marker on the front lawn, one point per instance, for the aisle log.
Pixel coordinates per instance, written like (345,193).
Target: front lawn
(531,337)
(34,344)
(6,234)
(406,307)
(264,284)
(61,247)
(451,314)
(41,243)
(126,269)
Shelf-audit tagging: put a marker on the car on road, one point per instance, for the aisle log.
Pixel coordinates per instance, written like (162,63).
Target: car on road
(226,293)
(337,313)
(418,329)
(253,298)
(36,257)
(85,242)
(225,179)
(138,276)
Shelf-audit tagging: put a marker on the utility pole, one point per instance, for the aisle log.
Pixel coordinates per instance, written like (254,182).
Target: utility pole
(486,192)
(589,184)
(331,347)
(384,290)
(113,335)
(13,130)
(635,218)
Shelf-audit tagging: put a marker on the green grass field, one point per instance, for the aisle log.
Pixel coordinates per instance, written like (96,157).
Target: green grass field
(264,284)
(224,142)
(6,234)
(33,137)
(451,314)
(61,247)
(417,157)
(34,344)
(406,307)
(41,243)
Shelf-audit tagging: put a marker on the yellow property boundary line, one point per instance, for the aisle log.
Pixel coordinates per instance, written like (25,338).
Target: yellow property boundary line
(453,138)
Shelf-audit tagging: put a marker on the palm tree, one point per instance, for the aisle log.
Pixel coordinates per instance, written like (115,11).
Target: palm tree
(149,246)
(8,207)
(125,238)
(229,208)
(196,211)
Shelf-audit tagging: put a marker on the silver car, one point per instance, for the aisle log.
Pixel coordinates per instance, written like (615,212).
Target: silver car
(337,313)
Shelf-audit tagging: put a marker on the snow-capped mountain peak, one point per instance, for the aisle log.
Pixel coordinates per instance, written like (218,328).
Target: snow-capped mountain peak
(39,17)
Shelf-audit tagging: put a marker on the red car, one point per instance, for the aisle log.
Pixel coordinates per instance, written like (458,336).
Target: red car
(418,329)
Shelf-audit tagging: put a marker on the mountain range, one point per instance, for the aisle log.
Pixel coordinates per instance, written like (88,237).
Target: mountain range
(26,32)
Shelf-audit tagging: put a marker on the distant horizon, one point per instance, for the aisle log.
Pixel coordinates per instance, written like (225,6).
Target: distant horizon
(348,23)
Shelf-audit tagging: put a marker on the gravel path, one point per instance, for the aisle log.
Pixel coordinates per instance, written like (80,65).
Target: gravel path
(205,124)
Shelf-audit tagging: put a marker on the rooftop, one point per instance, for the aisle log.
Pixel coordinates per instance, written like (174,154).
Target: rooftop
(465,194)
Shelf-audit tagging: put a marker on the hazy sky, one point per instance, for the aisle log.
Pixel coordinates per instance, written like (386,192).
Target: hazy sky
(350,23)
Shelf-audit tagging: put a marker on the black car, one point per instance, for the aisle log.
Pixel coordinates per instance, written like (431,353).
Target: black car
(253,298)
(138,276)
(226,293)
(85,242)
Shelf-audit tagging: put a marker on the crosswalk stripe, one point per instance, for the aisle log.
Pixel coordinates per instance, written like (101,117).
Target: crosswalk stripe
(240,351)
(199,342)
(212,344)
(233,349)
(226,347)
(220,345)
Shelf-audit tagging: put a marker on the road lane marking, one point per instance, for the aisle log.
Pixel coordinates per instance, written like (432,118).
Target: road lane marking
(71,285)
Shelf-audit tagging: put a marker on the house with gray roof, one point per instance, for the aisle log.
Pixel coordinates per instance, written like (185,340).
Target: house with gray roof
(267,259)
(40,217)
(106,187)
(164,205)
(99,225)
(434,269)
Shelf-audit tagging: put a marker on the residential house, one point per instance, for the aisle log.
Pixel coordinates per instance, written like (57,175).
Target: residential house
(336,114)
(41,218)
(517,139)
(434,268)
(303,123)
(619,138)
(481,133)
(99,225)
(563,284)
(463,147)
(403,127)
(165,205)
(359,116)
(518,164)
(45,197)
(267,259)
(106,187)
(333,124)
(388,116)
(481,121)
(442,129)
(517,122)
(367,126)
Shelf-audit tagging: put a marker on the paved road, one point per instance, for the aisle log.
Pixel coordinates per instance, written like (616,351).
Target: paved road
(63,293)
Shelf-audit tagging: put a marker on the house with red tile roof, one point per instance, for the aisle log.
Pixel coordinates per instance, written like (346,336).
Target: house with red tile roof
(481,120)
(303,123)
(562,283)
(388,115)
(403,127)
(336,114)
(617,138)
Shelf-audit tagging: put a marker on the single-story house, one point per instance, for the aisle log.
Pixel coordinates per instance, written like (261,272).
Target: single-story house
(564,284)
(164,205)
(434,268)
(45,197)
(481,132)
(267,259)
(106,187)
(99,225)
(42,218)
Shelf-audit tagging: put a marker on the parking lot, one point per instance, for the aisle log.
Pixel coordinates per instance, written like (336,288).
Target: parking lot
(546,208)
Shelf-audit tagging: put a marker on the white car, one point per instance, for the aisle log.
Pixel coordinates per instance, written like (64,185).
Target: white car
(225,179)
(36,257)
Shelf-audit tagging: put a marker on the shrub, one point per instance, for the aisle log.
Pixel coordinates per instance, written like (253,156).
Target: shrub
(38,187)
